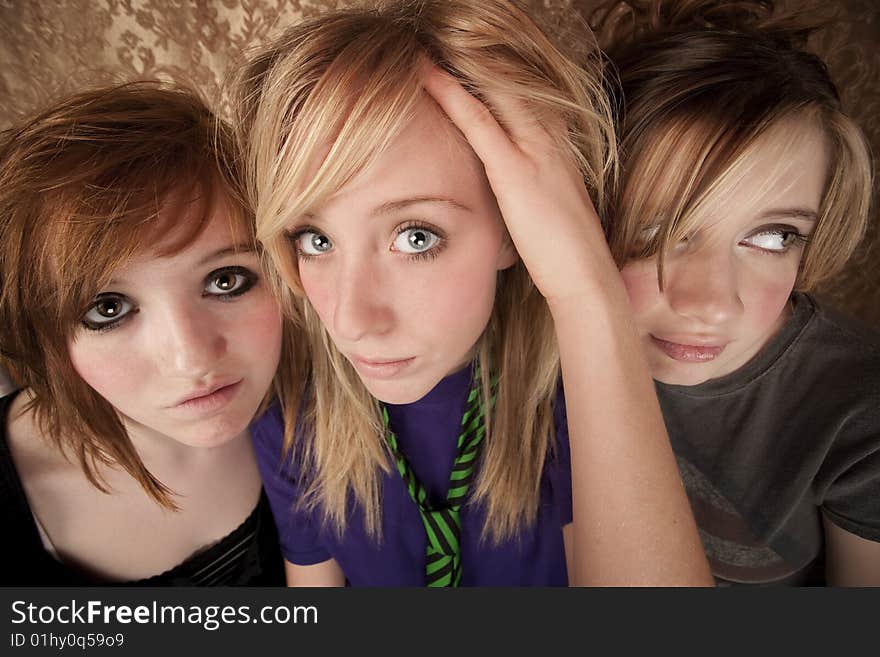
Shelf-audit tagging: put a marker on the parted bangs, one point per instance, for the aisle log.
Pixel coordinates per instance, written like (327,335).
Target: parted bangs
(330,106)
(319,106)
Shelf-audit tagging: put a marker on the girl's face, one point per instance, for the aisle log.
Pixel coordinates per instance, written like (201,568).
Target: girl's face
(186,345)
(727,286)
(401,265)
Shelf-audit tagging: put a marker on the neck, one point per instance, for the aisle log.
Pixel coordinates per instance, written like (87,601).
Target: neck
(160,452)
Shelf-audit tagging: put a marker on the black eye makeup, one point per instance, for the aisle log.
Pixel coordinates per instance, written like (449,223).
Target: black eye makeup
(108,311)
(775,239)
(229,282)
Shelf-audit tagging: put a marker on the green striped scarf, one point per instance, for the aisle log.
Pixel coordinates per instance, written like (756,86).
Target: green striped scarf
(443,524)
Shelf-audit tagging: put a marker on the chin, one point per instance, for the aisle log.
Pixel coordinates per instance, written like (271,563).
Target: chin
(215,432)
(680,380)
(398,392)
(685,375)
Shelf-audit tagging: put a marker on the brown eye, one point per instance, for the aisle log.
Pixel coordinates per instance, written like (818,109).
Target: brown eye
(229,282)
(106,311)
(226,281)
(109,308)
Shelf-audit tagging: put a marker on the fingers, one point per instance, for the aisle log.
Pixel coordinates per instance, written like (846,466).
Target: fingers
(523,126)
(473,118)
(524,133)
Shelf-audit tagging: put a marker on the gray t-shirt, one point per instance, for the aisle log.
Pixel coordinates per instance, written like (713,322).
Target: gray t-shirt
(764,449)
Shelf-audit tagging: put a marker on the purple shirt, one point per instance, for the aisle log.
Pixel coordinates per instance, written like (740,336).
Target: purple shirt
(427,432)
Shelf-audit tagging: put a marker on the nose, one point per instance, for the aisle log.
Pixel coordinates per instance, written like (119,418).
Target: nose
(702,285)
(362,302)
(190,342)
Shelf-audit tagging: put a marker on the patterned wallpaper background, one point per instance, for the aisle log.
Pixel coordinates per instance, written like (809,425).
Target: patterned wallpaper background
(50,48)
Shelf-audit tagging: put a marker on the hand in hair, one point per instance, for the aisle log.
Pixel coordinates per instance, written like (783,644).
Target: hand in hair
(642,531)
(540,191)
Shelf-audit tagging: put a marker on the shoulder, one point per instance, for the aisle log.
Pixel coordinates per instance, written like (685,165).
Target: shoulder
(27,451)
(840,350)
(844,330)
(277,465)
(27,463)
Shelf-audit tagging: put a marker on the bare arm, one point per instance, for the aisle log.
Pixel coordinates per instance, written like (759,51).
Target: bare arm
(326,573)
(850,560)
(632,521)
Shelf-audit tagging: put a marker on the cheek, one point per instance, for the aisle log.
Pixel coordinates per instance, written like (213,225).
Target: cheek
(463,287)
(257,331)
(461,298)
(110,370)
(640,280)
(767,293)
(318,289)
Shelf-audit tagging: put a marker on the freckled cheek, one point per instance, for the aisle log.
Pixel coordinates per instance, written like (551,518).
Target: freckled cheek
(461,295)
(319,291)
(257,331)
(767,295)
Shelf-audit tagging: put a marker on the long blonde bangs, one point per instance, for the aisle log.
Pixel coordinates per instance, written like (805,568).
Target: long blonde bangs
(682,171)
(317,107)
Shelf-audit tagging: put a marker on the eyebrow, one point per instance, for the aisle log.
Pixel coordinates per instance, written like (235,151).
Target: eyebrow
(794,213)
(226,251)
(402,204)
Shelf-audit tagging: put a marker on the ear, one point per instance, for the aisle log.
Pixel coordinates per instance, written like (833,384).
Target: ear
(507,255)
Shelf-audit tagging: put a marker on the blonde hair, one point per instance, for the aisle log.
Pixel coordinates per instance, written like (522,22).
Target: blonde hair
(317,107)
(706,89)
(82,189)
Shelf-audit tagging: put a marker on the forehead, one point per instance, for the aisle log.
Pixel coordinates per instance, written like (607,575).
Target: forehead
(428,158)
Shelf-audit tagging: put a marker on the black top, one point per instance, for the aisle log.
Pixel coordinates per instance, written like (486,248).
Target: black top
(767,450)
(249,555)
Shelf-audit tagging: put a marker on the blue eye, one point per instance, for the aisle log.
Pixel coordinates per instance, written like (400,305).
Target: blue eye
(107,311)
(229,282)
(312,243)
(415,240)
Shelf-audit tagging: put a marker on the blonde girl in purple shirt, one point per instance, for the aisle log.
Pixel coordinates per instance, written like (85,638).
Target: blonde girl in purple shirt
(423,175)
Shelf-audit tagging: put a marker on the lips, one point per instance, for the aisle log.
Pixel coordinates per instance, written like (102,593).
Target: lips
(700,352)
(214,396)
(381,368)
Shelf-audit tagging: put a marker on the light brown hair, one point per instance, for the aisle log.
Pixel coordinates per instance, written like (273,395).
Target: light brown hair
(81,189)
(703,84)
(320,104)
